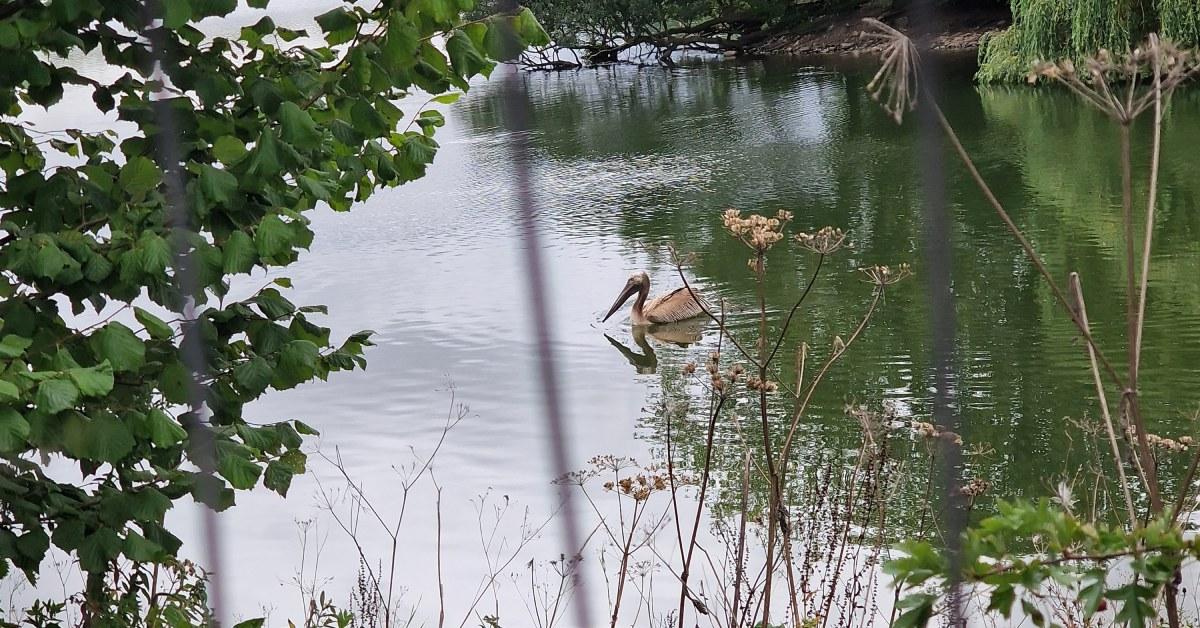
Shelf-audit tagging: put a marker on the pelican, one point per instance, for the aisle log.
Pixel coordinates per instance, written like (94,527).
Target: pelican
(677,305)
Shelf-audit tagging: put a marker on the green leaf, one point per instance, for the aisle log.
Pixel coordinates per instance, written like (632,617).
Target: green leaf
(147,504)
(1136,610)
(218,186)
(273,304)
(298,127)
(213,8)
(1002,599)
(235,465)
(278,477)
(257,622)
(8,391)
(155,326)
(229,149)
(176,13)
(14,346)
(211,490)
(464,56)
(174,381)
(263,439)
(137,548)
(108,439)
(120,346)
(68,535)
(154,253)
(139,176)
(272,237)
(164,431)
(160,536)
(97,548)
(56,395)
(94,381)
(51,260)
(298,360)
(529,29)
(288,435)
(1034,614)
(367,120)
(305,429)
(918,610)
(401,42)
(1091,594)
(14,429)
(257,4)
(254,375)
(238,254)
(264,159)
(336,20)
(33,544)
(448,99)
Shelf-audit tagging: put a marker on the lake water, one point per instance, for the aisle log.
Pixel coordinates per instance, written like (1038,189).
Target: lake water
(627,161)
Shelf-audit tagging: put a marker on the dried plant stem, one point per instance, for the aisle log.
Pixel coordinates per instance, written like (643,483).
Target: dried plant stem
(713,412)
(1151,205)
(820,374)
(774,502)
(623,573)
(740,557)
(1077,292)
(441,581)
(1185,487)
(1020,236)
(800,301)
(713,317)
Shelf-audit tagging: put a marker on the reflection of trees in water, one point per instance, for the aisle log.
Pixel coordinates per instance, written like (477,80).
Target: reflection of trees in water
(653,157)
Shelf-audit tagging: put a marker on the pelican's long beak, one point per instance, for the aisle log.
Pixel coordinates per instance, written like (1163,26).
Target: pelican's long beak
(630,290)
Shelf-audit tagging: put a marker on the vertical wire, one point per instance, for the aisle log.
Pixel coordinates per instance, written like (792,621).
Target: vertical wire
(191,347)
(516,116)
(939,268)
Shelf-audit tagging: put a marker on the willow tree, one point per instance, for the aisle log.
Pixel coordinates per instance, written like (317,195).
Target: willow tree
(1074,29)
(268,124)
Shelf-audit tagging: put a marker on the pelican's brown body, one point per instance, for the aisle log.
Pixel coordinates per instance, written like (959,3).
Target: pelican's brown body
(675,306)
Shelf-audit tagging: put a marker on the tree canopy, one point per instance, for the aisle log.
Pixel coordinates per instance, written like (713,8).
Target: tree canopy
(1073,29)
(270,124)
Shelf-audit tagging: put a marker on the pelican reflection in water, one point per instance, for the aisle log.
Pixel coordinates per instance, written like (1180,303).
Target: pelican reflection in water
(677,317)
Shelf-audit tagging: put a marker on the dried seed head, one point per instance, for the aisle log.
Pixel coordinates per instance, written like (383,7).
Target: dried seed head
(975,487)
(755,231)
(689,368)
(896,84)
(883,276)
(825,241)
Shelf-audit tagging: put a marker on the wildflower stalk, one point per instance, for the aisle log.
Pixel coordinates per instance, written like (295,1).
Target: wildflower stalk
(1151,204)
(1077,292)
(740,556)
(719,397)
(774,499)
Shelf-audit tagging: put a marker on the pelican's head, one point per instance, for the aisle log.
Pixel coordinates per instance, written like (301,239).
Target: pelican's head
(637,282)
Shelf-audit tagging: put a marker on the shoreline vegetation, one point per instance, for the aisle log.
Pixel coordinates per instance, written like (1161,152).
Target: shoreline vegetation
(1011,36)
(845,33)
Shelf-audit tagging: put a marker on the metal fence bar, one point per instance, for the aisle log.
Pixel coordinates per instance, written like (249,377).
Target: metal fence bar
(191,346)
(939,262)
(517,120)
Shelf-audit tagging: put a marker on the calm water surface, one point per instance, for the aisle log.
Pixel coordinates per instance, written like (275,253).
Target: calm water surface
(628,161)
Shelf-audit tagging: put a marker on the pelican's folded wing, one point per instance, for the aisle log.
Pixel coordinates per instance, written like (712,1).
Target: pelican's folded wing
(677,305)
